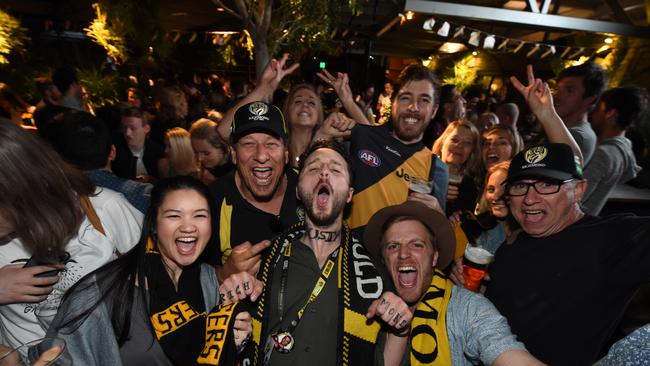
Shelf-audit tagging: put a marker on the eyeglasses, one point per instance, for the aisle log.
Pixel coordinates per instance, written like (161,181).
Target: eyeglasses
(541,187)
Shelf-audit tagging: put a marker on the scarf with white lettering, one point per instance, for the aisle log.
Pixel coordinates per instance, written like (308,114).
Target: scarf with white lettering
(178,317)
(428,338)
(358,286)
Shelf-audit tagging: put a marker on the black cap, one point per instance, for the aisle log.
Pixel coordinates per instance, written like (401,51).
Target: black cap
(258,117)
(555,161)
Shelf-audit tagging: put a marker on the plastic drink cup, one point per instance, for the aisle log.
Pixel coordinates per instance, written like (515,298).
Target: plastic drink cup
(52,350)
(475,263)
(420,185)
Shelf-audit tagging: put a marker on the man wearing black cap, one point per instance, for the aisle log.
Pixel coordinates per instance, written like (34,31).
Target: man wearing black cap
(257,201)
(567,278)
(415,243)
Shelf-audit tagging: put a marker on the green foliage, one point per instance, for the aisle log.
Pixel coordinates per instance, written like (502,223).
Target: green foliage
(102,89)
(12,36)
(306,24)
(456,69)
(127,29)
(104,35)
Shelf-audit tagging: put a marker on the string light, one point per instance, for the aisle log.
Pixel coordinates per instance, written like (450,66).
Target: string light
(490,41)
(444,30)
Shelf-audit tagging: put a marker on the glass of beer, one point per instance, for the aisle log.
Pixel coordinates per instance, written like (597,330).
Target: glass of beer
(475,263)
(52,350)
(420,185)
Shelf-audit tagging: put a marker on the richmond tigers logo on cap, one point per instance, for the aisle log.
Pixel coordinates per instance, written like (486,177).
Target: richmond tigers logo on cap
(258,108)
(535,154)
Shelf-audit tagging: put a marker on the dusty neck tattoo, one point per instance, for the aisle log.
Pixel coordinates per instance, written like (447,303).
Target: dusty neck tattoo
(327,236)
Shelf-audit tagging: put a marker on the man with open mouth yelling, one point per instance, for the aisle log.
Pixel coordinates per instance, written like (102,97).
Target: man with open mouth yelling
(568,275)
(258,195)
(451,325)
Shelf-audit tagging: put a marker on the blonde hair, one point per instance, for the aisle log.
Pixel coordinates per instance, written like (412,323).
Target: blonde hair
(292,94)
(482,205)
(181,155)
(473,163)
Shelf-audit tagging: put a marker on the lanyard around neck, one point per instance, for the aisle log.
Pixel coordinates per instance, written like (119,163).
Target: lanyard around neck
(315,292)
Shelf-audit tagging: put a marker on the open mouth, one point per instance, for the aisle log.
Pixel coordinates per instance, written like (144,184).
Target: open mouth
(533,215)
(186,244)
(406,276)
(492,159)
(323,193)
(263,175)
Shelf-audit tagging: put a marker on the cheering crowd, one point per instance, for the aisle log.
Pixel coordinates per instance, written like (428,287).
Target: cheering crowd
(270,228)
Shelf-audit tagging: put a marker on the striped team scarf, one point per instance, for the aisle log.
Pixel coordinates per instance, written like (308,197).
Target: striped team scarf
(428,338)
(356,343)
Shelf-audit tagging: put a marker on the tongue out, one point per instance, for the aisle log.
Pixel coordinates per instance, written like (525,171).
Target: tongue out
(185,247)
(322,198)
(407,279)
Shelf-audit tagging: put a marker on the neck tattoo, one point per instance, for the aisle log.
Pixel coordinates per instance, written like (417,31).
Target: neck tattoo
(316,234)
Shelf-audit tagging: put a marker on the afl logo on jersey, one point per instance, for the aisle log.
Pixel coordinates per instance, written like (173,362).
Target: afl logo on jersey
(369,158)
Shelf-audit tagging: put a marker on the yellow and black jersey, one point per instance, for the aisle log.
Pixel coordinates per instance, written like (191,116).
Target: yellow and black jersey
(383,167)
(236,220)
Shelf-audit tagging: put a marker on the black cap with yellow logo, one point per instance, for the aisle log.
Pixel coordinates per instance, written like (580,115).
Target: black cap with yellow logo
(555,161)
(258,117)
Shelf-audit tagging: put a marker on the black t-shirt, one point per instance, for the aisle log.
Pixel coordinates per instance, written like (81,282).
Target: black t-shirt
(564,294)
(236,220)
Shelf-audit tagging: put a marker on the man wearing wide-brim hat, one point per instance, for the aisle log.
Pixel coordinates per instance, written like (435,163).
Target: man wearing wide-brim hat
(451,325)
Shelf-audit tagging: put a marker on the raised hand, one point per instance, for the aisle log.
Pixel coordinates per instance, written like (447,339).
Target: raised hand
(426,199)
(336,125)
(275,71)
(20,285)
(340,83)
(537,94)
(244,257)
(239,286)
(392,310)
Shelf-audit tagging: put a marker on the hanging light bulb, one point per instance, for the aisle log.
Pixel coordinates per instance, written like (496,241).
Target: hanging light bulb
(474,38)
(409,15)
(488,42)
(428,24)
(444,30)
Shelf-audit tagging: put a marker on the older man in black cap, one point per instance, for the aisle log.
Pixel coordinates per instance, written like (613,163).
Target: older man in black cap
(567,278)
(257,201)
(451,325)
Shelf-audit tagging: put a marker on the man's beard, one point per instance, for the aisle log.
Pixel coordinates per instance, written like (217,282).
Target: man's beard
(323,218)
(407,134)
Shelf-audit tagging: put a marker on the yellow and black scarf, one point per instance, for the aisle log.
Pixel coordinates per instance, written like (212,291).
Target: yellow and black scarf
(428,339)
(188,335)
(356,343)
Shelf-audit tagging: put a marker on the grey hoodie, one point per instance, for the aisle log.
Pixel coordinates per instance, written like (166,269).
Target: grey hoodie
(613,162)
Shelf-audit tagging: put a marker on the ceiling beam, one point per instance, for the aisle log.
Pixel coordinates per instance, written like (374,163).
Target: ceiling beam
(541,21)
(619,13)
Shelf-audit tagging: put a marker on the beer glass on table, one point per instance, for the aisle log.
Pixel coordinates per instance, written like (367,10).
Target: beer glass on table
(475,262)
